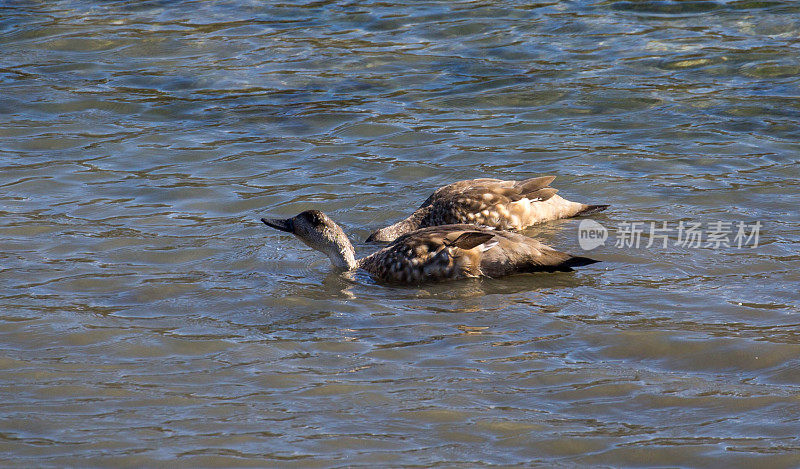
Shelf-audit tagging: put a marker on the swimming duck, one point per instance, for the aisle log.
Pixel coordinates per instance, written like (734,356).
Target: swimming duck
(495,203)
(435,253)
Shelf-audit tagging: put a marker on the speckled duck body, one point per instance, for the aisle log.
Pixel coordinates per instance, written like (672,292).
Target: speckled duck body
(453,252)
(495,203)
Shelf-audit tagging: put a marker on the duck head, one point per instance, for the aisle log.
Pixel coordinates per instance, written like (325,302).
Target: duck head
(319,232)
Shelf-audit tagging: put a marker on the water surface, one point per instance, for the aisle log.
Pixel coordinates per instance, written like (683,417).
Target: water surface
(149,319)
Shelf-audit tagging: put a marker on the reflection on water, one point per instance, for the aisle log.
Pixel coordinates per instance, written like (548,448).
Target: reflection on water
(149,317)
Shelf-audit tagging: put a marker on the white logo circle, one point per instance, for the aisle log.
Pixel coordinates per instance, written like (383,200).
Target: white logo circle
(591,234)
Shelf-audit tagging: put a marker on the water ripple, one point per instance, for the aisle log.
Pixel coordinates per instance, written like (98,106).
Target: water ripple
(150,317)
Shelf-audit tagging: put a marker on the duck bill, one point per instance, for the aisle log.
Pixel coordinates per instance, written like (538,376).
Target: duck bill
(286,225)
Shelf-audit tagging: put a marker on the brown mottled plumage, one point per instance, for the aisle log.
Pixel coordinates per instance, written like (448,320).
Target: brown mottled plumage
(505,205)
(430,254)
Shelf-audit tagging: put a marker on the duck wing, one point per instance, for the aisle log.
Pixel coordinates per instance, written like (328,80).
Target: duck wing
(516,253)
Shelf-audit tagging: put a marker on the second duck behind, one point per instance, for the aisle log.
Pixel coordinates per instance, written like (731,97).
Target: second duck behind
(494,203)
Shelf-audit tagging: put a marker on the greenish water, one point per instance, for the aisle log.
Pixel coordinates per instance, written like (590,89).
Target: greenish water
(149,319)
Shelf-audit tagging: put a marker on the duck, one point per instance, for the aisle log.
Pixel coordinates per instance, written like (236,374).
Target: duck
(495,203)
(436,253)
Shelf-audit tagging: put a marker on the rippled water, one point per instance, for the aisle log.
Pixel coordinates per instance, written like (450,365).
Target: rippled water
(148,318)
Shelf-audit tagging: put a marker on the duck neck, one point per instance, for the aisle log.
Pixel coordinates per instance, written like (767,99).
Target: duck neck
(343,255)
(414,222)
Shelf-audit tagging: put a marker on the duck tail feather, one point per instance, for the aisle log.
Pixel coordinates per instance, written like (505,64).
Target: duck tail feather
(591,210)
(578,261)
(567,265)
